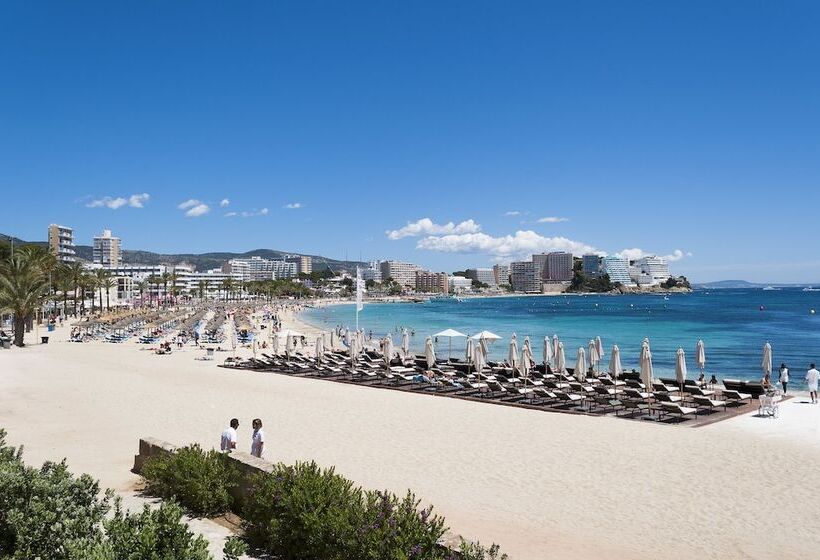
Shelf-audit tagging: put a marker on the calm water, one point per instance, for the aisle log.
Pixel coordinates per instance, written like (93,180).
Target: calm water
(730,322)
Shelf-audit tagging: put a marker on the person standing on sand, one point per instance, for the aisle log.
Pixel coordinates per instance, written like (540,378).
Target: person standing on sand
(812,378)
(258,440)
(784,377)
(228,441)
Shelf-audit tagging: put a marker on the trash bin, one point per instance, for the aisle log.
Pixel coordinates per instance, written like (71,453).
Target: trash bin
(44,339)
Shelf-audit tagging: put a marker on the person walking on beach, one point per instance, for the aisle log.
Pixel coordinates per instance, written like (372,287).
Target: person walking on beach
(228,442)
(812,378)
(784,377)
(258,440)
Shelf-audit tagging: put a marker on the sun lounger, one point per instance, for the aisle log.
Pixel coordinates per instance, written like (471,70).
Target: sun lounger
(705,403)
(697,391)
(736,398)
(666,397)
(676,411)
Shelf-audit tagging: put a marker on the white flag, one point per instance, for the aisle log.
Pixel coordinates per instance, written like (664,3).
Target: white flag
(359,290)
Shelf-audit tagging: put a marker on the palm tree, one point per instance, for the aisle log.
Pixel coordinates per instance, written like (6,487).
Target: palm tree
(165,278)
(108,283)
(201,287)
(141,286)
(154,281)
(227,285)
(65,283)
(89,284)
(23,289)
(101,275)
(76,272)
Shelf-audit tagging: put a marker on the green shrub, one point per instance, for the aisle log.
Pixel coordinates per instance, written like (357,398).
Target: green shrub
(394,529)
(302,512)
(475,551)
(234,548)
(200,480)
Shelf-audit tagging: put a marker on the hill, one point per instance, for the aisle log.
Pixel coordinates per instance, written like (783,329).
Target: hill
(202,261)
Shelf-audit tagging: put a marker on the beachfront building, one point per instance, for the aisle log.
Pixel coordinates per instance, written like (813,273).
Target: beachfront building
(61,243)
(459,284)
(106,250)
(403,273)
(591,265)
(483,275)
(525,277)
(650,271)
(257,269)
(559,267)
(432,282)
(304,264)
(501,272)
(373,272)
(211,281)
(617,269)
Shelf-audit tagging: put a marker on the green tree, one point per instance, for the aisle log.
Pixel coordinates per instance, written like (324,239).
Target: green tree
(24,288)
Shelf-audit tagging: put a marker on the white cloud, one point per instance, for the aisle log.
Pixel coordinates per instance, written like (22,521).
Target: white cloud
(248,214)
(425,226)
(512,213)
(138,200)
(294,206)
(552,220)
(190,203)
(197,210)
(224,202)
(134,201)
(519,245)
(637,253)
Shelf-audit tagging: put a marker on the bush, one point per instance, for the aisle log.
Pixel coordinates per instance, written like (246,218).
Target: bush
(303,512)
(200,480)
(475,551)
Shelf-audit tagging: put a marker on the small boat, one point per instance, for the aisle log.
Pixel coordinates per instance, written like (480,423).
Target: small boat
(811,289)
(770,289)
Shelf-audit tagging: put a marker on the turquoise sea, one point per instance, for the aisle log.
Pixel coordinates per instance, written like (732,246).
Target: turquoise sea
(734,325)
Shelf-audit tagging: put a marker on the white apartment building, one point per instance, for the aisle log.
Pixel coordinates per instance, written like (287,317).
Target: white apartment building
(502,274)
(373,272)
(402,272)
(61,243)
(650,271)
(483,275)
(257,269)
(459,284)
(617,269)
(106,250)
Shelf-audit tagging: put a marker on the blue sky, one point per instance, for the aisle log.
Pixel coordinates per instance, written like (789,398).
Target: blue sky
(659,127)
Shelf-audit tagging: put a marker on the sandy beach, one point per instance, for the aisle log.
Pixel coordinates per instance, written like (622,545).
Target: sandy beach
(540,484)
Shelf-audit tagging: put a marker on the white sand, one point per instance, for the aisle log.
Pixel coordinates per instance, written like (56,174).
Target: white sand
(541,484)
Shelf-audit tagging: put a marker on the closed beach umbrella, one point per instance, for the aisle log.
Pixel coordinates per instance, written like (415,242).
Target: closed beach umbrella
(450,334)
(352,348)
(560,359)
(348,337)
(275,344)
(388,350)
(555,343)
(680,367)
(599,348)
(767,359)
(320,348)
(468,353)
(615,368)
(405,343)
(484,348)
(512,357)
(478,358)
(429,352)
(592,350)
(332,340)
(289,344)
(527,360)
(547,352)
(700,356)
(646,365)
(581,365)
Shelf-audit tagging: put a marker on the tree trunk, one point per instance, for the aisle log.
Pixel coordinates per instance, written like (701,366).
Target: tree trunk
(19,329)
(108,300)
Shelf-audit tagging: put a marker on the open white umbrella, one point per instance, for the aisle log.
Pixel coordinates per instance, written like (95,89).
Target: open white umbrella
(581,365)
(451,334)
(766,364)
(429,352)
(547,353)
(680,367)
(700,356)
(646,365)
(320,348)
(560,359)
(388,351)
(512,356)
(615,368)
(485,335)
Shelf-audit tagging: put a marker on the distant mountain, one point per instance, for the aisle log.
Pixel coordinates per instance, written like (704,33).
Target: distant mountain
(202,261)
(730,285)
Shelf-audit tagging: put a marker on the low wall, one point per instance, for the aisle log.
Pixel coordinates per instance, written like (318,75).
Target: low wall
(249,466)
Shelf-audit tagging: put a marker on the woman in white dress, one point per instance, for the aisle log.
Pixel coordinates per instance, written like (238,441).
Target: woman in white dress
(784,377)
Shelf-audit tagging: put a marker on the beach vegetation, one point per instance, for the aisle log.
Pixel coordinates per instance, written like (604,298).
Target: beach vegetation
(679,282)
(24,286)
(200,480)
(476,551)
(597,284)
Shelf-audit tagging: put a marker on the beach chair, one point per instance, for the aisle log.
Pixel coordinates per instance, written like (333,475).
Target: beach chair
(696,391)
(496,389)
(570,400)
(660,387)
(705,403)
(637,395)
(581,389)
(604,392)
(666,397)
(676,411)
(736,398)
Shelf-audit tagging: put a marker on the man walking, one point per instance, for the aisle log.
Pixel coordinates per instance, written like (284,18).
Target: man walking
(258,440)
(228,442)
(812,378)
